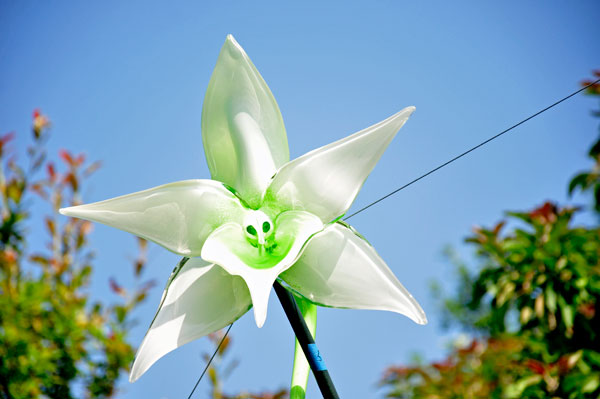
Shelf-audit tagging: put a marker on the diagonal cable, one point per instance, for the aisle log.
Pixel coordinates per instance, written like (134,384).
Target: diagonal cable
(470,150)
(414,181)
(210,360)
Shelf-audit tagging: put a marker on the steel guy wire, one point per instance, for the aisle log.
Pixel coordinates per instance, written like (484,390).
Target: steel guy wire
(416,180)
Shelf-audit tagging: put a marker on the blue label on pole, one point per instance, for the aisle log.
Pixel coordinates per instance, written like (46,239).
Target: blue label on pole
(315,358)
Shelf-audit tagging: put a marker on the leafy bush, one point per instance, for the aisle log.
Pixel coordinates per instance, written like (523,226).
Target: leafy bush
(55,342)
(533,306)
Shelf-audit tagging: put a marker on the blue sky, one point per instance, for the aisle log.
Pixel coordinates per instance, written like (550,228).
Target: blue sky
(124,82)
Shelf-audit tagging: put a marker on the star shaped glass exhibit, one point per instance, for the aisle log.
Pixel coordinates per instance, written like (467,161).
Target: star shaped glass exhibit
(262,217)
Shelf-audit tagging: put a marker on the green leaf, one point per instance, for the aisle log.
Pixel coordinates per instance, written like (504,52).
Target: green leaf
(567,312)
(597,196)
(579,180)
(593,357)
(595,150)
(516,389)
(505,293)
(591,383)
(550,299)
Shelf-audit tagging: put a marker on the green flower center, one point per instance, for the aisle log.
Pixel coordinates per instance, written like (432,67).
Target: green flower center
(258,229)
(260,242)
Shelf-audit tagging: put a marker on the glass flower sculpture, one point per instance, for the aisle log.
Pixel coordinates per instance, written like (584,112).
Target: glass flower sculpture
(262,217)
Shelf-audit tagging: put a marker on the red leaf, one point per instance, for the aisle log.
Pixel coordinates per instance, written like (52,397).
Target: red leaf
(535,366)
(399,371)
(10,255)
(443,366)
(588,310)
(545,213)
(116,288)
(469,349)
(86,227)
(72,180)
(92,168)
(51,171)
(50,225)
(41,259)
(7,137)
(39,190)
(79,160)
(498,227)
(66,156)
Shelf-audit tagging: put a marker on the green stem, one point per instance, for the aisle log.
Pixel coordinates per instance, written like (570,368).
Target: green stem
(301,367)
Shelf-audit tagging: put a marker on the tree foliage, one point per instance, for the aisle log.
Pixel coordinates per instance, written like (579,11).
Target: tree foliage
(590,180)
(533,306)
(55,341)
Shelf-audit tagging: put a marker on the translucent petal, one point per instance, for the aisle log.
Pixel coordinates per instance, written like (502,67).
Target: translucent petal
(179,216)
(228,247)
(199,299)
(242,129)
(326,181)
(338,268)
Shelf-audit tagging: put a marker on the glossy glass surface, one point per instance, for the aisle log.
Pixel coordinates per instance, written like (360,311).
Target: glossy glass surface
(200,298)
(242,129)
(326,181)
(179,216)
(252,223)
(228,246)
(340,269)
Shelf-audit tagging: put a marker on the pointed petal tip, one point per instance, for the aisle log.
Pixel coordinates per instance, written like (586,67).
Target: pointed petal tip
(233,47)
(259,318)
(231,39)
(68,211)
(137,369)
(77,211)
(399,118)
(414,311)
(422,319)
(405,113)
(135,372)
(417,315)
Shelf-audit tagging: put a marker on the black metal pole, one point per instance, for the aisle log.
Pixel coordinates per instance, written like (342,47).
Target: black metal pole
(306,341)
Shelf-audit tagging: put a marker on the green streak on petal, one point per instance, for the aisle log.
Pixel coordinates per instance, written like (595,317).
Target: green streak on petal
(172,277)
(352,229)
(242,129)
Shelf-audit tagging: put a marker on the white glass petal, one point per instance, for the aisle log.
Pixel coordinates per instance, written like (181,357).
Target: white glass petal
(242,129)
(199,299)
(326,181)
(229,247)
(340,269)
(179,216)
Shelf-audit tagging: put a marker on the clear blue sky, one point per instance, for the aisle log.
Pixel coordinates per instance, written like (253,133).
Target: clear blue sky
(124,82)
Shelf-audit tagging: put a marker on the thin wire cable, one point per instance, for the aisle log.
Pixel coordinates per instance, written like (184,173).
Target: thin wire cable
(470,150)
(210,360)
(410,183)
